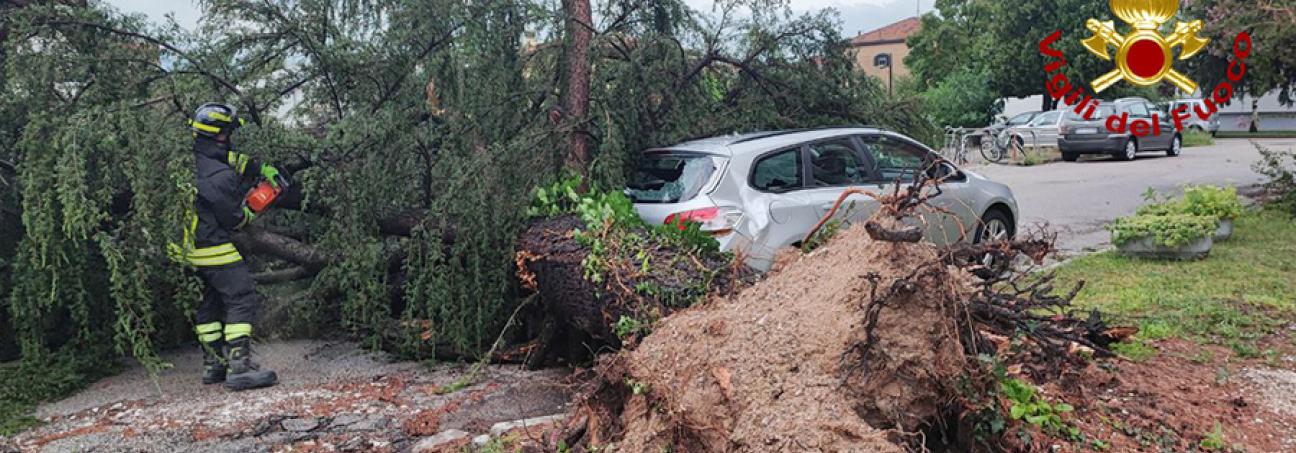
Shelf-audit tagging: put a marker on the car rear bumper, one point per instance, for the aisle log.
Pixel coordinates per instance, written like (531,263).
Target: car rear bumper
(1085,144)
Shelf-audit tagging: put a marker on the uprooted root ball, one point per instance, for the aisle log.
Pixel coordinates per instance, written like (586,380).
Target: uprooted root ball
(843,350)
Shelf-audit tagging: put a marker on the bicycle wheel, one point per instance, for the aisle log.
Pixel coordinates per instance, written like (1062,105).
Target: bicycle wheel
(991,149)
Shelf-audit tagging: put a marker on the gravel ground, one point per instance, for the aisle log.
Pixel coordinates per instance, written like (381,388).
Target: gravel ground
(331,396)
(1277,388)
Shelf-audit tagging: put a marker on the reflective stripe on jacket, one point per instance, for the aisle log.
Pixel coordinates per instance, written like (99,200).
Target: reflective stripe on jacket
(217,210)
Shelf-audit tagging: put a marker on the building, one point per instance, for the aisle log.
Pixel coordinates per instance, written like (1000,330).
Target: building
(869,47)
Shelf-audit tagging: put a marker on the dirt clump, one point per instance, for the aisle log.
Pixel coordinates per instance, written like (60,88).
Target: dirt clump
(803,361)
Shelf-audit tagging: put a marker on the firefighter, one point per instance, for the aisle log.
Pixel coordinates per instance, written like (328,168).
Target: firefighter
(230,303)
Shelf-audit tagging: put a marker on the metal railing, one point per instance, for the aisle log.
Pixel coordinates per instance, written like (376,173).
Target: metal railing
(993,147)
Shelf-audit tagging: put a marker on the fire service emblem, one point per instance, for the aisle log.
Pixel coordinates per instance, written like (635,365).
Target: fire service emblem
(1144,56)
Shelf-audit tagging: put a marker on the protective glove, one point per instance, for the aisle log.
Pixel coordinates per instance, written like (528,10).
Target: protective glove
(248,216)
(270,174)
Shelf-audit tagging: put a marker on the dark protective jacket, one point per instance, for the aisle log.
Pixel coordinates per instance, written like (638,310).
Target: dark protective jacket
(219,204)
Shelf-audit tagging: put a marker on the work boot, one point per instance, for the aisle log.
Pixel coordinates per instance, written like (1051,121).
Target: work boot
(243,373)
(213,362)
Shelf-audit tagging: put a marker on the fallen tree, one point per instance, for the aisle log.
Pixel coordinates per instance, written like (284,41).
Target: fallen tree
(870,343)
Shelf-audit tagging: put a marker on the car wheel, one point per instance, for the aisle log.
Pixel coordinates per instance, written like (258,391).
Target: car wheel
(1070,157)
(1130,151)
(1176,147)
(995,226)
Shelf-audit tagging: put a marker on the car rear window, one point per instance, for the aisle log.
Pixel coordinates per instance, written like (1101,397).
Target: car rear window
(1100,114)
(668,177)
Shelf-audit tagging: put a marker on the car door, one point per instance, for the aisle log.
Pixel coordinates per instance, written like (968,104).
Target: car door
(898,161)
(782,211)
(834,165)
(1167,127)
(1045,127)
(1139,112)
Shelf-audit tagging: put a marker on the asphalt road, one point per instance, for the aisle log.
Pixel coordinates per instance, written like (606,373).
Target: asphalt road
(1076,199)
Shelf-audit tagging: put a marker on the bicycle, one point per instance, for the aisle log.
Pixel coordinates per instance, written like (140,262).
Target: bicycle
(993,149)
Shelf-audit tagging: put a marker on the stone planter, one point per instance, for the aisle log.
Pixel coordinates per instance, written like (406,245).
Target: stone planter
(1224,231)
(1146,247)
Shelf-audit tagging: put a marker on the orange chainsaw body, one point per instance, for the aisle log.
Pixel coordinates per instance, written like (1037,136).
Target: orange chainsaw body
(262,196)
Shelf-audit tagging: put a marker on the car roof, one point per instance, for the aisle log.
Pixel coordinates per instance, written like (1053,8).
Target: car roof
(1132,99)
(738,144)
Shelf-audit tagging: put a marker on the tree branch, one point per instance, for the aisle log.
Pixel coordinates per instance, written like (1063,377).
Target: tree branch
(255,113)
(257,240)
(291,274)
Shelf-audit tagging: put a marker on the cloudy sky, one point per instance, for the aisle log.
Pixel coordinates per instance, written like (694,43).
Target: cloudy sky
(856,15)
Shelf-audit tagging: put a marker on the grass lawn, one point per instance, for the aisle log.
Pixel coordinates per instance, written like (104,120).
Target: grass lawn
(1262,134)
(1244,291)
(1194,137)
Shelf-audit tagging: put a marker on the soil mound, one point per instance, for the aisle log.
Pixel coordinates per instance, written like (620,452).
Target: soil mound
(845,349)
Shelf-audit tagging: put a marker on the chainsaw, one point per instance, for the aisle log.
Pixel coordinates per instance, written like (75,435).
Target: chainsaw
(265,194)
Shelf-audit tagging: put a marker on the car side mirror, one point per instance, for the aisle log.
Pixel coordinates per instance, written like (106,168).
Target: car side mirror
(944,171)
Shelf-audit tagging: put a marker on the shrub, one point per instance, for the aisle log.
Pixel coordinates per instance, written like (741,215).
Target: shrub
(1165,230)
(1207,201)
(1212,201)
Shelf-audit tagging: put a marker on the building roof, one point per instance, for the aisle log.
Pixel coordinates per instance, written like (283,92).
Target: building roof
(896,32)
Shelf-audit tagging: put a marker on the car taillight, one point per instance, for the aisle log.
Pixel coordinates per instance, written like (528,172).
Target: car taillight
(715,220)
(1066,129)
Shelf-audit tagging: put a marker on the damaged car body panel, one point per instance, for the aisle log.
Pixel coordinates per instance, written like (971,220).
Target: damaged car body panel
(760,192)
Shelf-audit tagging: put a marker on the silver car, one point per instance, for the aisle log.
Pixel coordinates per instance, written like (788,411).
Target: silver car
(760,192)
(1193,121)
(1042,131)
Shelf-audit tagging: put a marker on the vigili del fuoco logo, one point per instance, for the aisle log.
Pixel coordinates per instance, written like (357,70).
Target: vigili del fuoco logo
(1143,57)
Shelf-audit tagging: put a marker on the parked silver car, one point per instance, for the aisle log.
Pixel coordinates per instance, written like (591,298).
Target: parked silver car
(1042,131)
(1193,121)
(760,192)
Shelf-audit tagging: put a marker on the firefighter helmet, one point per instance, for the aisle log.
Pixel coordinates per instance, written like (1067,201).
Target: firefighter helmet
(212,119)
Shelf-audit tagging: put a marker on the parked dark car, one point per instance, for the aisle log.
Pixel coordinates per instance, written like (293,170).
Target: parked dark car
(1092,137)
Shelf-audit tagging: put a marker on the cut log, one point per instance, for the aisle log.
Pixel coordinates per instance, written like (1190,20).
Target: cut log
(591,296)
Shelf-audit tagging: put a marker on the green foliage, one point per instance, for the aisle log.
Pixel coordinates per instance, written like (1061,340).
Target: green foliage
(437,110)
(1134,350)
(1271,65)
(627,327)
(22,385)
(636,387)
(1212,201)
(1166,230)
(1207,201)
(1215,441)
(1026,404)
(1194,137)
(1000,42)
(962,99)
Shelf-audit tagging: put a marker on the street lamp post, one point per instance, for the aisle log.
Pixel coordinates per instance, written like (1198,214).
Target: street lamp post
(883,60)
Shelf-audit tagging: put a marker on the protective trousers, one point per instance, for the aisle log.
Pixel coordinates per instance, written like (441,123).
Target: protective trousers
(229,305)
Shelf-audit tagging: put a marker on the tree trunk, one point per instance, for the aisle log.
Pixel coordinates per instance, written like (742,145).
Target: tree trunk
(576,93)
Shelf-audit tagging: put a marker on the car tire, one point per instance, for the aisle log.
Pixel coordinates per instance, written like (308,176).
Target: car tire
(995,225)
(1176,147)
(1129,152)
(1070,157)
